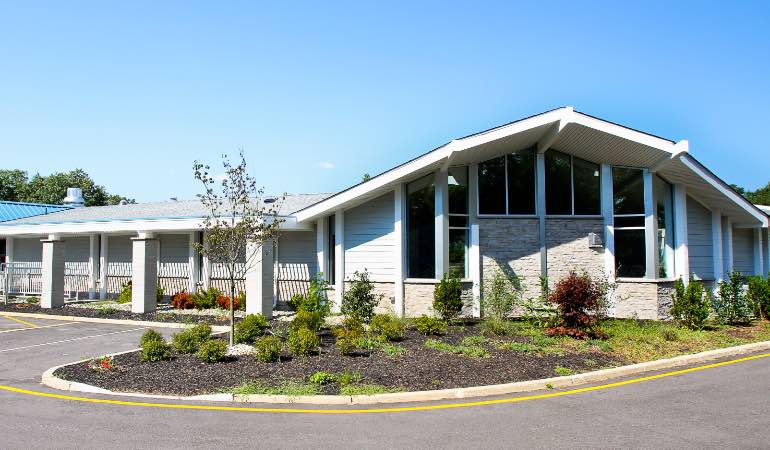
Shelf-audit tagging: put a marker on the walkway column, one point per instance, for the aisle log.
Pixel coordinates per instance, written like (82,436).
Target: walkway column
(144,273)
(398,251)
(103,261)
(727,237)
(53,273)
(320,245)
(758,253)
(206,266)
(93,265)
(681,253)
(8,250)
(608,216)
(650,228)
(442,223)
(474,251)
(718,246)
(339,259)
(259,279)
(193,266)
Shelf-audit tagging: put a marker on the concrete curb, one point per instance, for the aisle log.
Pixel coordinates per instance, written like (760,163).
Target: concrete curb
(54,382)
(141,323)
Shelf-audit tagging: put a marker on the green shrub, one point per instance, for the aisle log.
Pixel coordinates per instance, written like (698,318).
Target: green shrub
(563,371)
(212,351)
(430,326)
(731,305)
(759,295)
(191,339)
(447,297)
(387,327)
(295,301)
(302,341)
(268,348)
(347,377)
(153,351)
(315,301)
(518,347)
(393,350)
(359,300)
(474,340)
(500,296)
(466,350)
(689,305)
(581,302)
(307,319)
(150,335)
(497,327)
(323,378)
(349,335)
(125,293)
(206,299)
(250,328)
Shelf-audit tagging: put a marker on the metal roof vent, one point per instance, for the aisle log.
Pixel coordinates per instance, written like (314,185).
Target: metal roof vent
(74,198)
(269,200)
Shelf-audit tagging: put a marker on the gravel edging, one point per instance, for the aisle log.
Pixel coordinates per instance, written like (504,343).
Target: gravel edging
(48,379)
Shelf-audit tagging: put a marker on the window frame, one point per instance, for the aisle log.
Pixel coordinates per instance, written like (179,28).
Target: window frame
(572,189)
(643,227)
(506,189)
(467,216)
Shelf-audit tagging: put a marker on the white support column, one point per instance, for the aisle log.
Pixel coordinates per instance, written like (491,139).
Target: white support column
(144,273)
(442,223)
(321,233)
(52,273)
(650,229)
(758,263)
(717,245)
(766,252)
(93,265)
(205,266)
(727,236)
(259,279)
(474,251)
(103,265)
(541,212)
(339,259)
(8,250)
(193,265)
(608,215)
(681,254)
(398,251)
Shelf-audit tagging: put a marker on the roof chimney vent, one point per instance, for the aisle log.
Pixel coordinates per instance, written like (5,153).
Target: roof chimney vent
(74,198)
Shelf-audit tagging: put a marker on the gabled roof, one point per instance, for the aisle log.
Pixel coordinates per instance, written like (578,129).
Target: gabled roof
(17,210)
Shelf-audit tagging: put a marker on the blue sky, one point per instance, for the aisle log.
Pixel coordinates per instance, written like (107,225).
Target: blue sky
(319,93)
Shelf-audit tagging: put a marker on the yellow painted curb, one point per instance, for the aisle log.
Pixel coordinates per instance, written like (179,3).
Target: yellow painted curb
(141,323)
(52,381)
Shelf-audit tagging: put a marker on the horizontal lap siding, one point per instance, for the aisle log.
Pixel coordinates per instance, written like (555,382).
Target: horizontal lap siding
(27,250)
(370,239)
(119,257)
(76,254)
(174,272)
(297,263)
(743,250)
(699,240)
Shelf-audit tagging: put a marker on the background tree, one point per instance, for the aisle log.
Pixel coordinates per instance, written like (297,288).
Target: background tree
(236,216)
(12,185)
(15,186)
(759,197)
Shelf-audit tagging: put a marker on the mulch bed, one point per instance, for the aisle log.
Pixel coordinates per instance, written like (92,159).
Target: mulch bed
(122,315)
(417,369)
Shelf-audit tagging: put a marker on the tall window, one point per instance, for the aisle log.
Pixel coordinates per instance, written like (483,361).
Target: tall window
(458,221)
(507,184)
(572,185)
(663,209)
(421,231)
(331,261)
(628,192)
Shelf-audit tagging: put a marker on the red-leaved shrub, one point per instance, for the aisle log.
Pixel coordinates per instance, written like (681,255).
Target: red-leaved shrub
(223,301)
(581,303)
(182,300)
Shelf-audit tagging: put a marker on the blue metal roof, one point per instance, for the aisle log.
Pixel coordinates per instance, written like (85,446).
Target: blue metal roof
(19,210)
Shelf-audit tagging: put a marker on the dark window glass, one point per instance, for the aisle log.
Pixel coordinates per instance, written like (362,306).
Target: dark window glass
(458,190)
(625,222)
(458,245)
(332,260)
(421,231)
(628,189)
(558,183)
(587,187)
(521,182)
(630,259)
(492,186)
(458,221)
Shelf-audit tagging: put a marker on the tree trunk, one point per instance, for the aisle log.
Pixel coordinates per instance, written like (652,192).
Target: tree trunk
(232,310)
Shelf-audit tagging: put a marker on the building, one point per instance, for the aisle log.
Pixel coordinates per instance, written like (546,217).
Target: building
(539,197)
(17,210)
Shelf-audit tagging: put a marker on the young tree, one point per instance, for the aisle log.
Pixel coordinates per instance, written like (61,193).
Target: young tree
(236,217)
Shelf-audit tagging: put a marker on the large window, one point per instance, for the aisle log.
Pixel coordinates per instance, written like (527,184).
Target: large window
(421,228)
(572,185)
(458,221)
(331,261)
(507,184)
(630,248)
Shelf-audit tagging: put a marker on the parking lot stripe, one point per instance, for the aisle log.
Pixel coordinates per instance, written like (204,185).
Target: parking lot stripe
(38,327)
(70,340)
(23,322)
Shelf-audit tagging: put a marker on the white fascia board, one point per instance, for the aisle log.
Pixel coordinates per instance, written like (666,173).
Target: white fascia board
(680,148)
(625,133)
(124,226)
(722,187)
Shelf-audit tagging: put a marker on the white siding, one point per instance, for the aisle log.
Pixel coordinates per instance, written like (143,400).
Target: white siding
(743,250)
(27,250)
(174,271)
(297,263)
(119,256)
(699,240)
(76,253)
(370,239)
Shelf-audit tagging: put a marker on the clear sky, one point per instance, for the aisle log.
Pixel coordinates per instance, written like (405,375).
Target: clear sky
(319,93)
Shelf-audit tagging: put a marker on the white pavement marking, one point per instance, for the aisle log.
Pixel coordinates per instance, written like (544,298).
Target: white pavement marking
(70,340)
(37,328)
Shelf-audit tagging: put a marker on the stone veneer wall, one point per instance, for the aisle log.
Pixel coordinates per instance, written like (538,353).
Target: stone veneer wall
(567,247)
(511,245)
(635,300)
(418,298)
(387,301)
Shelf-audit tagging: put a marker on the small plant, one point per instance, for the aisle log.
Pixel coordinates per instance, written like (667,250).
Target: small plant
(212,351)
(102,364)
(206,299)
(191,339)
(500,296)
(153,351)
(497,327)
(107,310)
(182,300)
(302,342)
(581,303)
(549,386)
(268,348)
(447,297)
(150,335)
(475,340)
(518,347)
(387,327)
(223,301)
(315,300)
(430,326)
(689,306)
(347,378)
(563,371)
(393,350)
(125,293)
(250,328)
(307,319)
(323,378)
(295,301)
(359,300)
(759,295)
(366,389)
(349,335)
(600,344)
(731,305)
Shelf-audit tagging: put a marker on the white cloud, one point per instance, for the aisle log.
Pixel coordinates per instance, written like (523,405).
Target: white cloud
(326,165)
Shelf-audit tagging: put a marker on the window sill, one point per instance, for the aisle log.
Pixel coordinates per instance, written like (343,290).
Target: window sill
(644,280)
(432,280)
